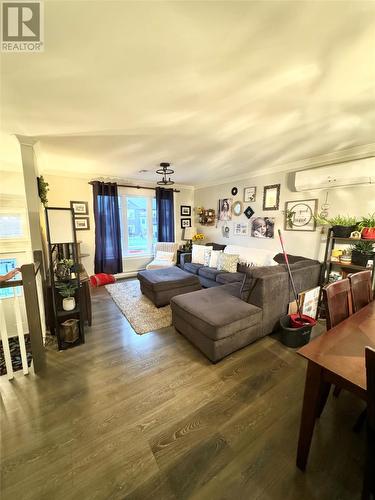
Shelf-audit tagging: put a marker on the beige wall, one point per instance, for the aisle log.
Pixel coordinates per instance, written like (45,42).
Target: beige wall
(66,189)
(354,201)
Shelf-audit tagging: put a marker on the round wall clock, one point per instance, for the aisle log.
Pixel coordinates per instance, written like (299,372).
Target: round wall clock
(234,191)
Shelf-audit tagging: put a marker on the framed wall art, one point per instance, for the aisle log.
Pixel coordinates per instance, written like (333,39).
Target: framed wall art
(299,215)
(225,209)
(185,223)
(271,197)
(80,207)
(185,210)
(241,229)
(249,194)
(81,223)
(262,227)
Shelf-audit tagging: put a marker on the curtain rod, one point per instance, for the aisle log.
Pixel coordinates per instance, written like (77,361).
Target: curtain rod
(136,187)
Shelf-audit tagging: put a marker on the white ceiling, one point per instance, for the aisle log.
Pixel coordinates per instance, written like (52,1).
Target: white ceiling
(217,88)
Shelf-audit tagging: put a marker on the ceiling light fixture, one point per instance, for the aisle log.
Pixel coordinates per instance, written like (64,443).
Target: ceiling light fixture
(165,171)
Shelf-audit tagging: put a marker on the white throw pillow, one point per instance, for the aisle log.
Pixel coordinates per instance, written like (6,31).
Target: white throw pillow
(197,255)
(168,256)
(207,255)
(214,258)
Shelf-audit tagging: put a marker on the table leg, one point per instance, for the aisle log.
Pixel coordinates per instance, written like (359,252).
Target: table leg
(316,391)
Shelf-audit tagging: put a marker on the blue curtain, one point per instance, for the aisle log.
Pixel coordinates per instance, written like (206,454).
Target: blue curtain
(108,254)
(165,213)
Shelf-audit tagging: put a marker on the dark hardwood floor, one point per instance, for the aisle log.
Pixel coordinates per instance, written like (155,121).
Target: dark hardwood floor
(148,417)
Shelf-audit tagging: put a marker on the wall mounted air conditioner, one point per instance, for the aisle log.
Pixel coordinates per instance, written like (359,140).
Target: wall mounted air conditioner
(350,173)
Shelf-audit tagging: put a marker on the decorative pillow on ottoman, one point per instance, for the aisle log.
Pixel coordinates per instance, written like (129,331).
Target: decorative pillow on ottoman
(227,262)
(197,255)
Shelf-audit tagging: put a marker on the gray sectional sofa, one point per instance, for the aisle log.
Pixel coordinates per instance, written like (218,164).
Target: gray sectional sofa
(230,315)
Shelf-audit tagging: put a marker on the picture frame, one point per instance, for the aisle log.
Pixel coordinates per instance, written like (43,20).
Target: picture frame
(81,223)
(79,207)
(249,194)
(185,223)
(241,229)
(262,227)
(299,215)
(225,209)
(185,211)
(271,197)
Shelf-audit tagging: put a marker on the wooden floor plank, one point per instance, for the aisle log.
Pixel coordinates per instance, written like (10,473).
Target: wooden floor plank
(136,417)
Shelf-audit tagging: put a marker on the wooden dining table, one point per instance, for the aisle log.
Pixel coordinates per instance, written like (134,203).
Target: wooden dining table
(335,357)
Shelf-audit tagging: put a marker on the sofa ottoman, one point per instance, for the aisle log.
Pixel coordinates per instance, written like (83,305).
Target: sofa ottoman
(216,320)
(160,285)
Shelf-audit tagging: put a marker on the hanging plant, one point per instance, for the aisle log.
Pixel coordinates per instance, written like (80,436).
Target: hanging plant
(43,190)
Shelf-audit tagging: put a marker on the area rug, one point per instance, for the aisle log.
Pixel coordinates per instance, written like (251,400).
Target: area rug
(141,313)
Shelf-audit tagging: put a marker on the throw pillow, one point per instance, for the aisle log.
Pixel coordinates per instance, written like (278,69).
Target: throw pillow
(214,258)
(197,254)
(207,255)
(160,255)
(227,262)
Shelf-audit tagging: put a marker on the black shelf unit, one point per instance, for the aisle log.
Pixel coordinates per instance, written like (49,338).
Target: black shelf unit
(57,251)
(329,264)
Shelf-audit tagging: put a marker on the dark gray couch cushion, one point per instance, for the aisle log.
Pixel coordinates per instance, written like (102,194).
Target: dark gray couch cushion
(190,267)
(216,246)
(166,279)
(229,278)
(280,259)
(215,312)
(209,272)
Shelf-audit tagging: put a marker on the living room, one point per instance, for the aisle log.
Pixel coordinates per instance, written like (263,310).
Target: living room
(187,250)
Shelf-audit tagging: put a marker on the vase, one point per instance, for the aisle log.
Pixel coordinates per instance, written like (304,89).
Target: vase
(69,303)
(342,231)
(368,233)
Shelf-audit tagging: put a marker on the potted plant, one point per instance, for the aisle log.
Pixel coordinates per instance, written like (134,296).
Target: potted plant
(367,224)
(362,251)
(67,291)
(63,268)
(342,225)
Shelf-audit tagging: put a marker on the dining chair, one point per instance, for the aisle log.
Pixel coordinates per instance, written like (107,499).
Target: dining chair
(337,302)
(360,285)
(368,491)
(338,306)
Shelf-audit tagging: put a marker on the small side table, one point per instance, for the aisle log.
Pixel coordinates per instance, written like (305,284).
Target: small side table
(179,252)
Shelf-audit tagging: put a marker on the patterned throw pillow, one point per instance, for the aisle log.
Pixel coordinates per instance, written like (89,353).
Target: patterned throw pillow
(207,256)
(227,262)
(214,258)
(198,253)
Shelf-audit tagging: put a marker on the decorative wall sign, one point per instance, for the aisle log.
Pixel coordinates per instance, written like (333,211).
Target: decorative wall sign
(185,210)
(234,191)
(185,223)
(299,215)
(249,212)
(249,194)
(80,207)
(262,227)
(271,197)
(225,209)
(241,229)
(81,223)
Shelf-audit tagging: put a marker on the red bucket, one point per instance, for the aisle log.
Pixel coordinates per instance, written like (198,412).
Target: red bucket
(297,321)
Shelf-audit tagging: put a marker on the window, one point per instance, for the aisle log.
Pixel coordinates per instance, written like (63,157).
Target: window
(138,224)
(7,265)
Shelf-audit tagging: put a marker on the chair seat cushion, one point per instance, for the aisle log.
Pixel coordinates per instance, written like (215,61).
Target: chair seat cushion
(166,278)
(229,278)
(209,272)
(191,267)
(215,312)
